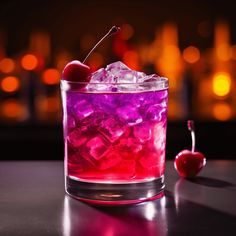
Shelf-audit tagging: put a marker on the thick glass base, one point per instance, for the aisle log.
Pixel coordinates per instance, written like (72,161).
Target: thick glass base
(115,193)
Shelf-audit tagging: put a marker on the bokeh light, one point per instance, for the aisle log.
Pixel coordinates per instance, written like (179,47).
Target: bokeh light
(51,76)
(130,58)
(10,84)
(7,65)
(221,84)
(29,62)
(119,47)
(171,51)
(223,52)
(191,54)
(49,104)
(222,111)
(12,109)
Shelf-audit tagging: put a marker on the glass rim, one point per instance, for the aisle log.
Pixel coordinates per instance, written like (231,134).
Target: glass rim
(160,83)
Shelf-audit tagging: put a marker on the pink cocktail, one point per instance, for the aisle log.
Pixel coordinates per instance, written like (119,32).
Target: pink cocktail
(115,136)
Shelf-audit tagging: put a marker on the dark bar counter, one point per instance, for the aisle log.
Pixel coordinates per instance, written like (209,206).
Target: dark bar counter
(33,202)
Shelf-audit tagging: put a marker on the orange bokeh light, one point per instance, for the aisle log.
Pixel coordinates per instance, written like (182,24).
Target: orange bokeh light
(223,52)
(221,84)
(12,109)
(191,54)
(10,84)
(49,104)
(7,65)
(51,76)
(222,111)
(29,62)
(119,46)
(130,58)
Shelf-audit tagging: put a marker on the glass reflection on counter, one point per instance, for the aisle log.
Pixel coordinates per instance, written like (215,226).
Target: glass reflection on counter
(147,219)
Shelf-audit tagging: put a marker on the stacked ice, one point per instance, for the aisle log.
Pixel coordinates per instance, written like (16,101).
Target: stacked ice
(118,77)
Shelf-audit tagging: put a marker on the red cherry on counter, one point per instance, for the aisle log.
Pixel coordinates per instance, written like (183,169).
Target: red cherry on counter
(189,163)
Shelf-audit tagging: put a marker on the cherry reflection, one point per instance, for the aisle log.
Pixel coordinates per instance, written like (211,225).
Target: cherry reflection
(184,189)
(177,198)
(180,192)
(147,219)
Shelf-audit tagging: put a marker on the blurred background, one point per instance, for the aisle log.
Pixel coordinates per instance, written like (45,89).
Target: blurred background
(193,43)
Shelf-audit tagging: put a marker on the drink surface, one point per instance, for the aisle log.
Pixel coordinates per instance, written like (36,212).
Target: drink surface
(115,137)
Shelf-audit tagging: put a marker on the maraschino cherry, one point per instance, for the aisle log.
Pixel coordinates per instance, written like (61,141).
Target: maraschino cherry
(77,71)
(189,163)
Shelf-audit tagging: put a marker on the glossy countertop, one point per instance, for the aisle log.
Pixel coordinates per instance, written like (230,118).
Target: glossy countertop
(33,202)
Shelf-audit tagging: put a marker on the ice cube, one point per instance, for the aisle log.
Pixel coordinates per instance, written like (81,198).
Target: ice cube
(70,152)
(150,82)
(140,76)
(106,103)
(103,76)
(79,162)
(100,81)
(149,160)
(143,132)
(112,129)
(156,112)
(76,138)
(92,121)
(77,153)
(102,87)
(71,99)
(110,160)
(99,76)
(82,109)
(129,147)
(160,136)
(129,114)
(74,168)
(123,170)
(97,147)
(123,74)
(151,163)
(117,67)
(70,122)
(127,77)
(141,100)
(148,78)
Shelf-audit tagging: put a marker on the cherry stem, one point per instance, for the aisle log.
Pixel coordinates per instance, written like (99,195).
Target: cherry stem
(192,129)
(113,30)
